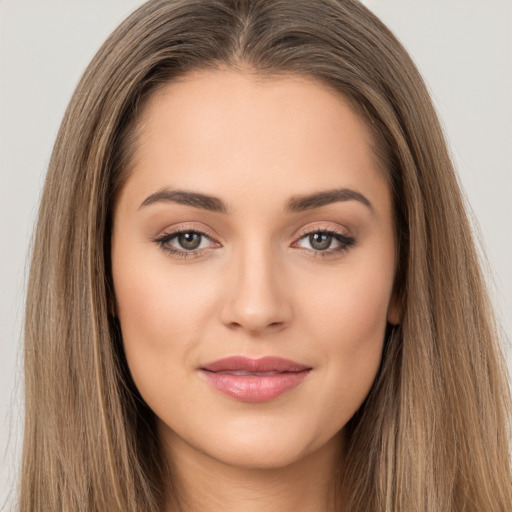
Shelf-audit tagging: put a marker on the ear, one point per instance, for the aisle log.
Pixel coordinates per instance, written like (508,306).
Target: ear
(394,310)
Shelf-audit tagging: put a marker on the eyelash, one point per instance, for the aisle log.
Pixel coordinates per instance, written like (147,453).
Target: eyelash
(345,241)
(165,238)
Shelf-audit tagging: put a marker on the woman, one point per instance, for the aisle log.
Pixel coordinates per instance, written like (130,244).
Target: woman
(261,291)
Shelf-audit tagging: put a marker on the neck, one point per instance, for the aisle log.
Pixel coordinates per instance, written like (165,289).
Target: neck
(202,483)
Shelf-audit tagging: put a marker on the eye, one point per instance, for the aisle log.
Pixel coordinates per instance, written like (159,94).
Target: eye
(185,243)
(189,240)
(325,242)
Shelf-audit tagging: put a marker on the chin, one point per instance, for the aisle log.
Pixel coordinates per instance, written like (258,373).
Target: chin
(268,454)
(258,447)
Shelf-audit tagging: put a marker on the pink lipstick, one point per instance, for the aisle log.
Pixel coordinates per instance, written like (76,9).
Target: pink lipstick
(254,380)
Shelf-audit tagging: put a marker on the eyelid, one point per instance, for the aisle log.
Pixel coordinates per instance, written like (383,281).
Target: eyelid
(315,228)
(166,236)
(163,239)
(345,240)
(185,228)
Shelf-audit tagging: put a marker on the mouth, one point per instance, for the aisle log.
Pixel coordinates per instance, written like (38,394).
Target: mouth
(254,380)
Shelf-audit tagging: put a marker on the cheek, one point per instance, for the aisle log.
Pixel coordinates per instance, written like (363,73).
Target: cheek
(350,308)
(161,316)
(348,321)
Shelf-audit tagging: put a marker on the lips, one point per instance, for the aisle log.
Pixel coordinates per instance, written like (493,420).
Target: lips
(254,380)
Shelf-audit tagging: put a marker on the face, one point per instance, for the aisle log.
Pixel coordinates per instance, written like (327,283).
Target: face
(253,259)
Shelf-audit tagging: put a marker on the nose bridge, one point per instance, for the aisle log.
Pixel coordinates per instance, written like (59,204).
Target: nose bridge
(256,298)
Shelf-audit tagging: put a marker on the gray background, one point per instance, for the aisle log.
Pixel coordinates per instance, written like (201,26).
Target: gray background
(463,49)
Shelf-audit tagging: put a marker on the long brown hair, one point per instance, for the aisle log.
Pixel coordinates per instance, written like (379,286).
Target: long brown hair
(433,433)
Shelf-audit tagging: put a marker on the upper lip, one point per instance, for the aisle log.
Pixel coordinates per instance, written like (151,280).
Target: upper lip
(247,364)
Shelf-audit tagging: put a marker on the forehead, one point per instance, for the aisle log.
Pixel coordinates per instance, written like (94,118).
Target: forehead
(206,101)
(223,131)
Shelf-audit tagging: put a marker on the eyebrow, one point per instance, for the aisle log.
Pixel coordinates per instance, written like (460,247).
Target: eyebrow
(195,199)
(295,204)
(323,198)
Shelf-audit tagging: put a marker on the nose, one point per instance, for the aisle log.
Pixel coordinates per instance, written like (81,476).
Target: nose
(256,295)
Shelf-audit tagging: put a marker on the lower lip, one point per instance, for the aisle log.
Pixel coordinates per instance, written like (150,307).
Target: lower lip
(255,388)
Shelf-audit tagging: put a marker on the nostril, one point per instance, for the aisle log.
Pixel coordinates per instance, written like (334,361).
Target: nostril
(256,308)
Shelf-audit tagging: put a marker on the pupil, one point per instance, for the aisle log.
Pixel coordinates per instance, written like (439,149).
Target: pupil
(320,241)
(189,240)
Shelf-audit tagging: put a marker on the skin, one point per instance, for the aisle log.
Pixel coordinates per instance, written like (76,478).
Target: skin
(257,286)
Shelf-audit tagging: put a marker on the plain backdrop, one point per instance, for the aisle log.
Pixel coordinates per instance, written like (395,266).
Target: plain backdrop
(463,49)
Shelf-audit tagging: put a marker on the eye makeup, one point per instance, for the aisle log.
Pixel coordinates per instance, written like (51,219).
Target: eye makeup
(187,242)
(190,239)
(325,242)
